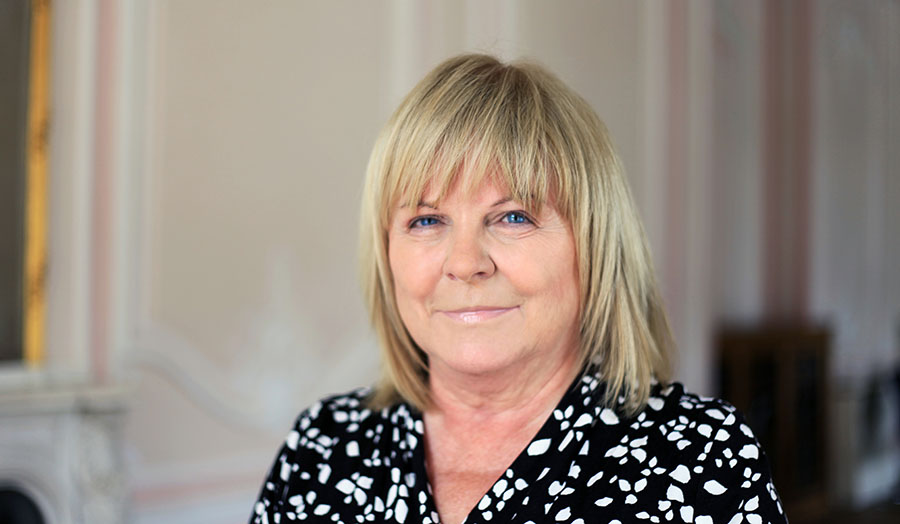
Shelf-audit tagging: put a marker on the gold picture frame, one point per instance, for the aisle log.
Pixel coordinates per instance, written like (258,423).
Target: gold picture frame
(37,160)
(25,27)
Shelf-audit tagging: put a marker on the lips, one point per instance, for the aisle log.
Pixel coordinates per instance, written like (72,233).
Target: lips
(475,315)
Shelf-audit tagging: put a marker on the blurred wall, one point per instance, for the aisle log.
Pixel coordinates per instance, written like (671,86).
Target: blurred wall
(855,235)
(208,159)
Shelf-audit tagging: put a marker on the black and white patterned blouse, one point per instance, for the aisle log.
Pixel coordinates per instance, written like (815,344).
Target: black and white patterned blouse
(683,459)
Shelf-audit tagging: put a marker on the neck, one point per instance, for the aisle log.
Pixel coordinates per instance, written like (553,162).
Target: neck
(513,395)
(478,425)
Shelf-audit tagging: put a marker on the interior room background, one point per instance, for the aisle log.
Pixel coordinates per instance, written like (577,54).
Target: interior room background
(205,163)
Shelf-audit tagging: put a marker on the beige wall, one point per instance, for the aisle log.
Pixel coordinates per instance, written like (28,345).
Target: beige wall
(258,133)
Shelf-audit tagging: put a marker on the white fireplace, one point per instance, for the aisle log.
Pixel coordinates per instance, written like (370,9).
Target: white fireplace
(62,448)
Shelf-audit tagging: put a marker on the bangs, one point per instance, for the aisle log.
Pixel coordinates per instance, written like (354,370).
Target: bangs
(486,122)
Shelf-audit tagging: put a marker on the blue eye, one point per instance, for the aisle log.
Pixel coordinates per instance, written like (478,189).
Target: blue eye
(516,217)
(423,222)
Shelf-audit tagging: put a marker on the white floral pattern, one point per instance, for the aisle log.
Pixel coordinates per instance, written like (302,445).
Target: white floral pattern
(684,459)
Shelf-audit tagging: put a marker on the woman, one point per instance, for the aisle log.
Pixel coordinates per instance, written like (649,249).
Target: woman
(525,345)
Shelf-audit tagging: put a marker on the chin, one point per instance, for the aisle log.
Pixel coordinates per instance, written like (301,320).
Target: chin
(479,360)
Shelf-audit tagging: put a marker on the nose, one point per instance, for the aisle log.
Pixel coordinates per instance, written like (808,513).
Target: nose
(468,258)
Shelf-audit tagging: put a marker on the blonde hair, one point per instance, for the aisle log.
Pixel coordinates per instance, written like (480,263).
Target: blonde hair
(520,123)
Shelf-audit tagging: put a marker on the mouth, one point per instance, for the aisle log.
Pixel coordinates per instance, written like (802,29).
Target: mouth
(478,314)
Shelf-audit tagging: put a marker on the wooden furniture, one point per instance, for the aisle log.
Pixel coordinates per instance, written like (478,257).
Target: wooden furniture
(777,376)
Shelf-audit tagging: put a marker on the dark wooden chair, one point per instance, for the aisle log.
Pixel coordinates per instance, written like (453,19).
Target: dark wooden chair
(777,376)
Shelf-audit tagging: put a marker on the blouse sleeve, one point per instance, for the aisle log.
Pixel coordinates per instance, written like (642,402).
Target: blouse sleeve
(736,483)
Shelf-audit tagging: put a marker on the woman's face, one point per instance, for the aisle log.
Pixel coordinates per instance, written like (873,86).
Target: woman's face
(482,286)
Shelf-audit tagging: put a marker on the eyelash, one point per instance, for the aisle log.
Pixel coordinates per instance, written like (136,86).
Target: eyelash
(416,223)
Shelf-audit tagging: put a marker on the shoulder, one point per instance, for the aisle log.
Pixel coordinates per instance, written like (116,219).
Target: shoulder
(343,430)
(329,443)
(681,415)
(318,426)
(346,420)
(698,456)
(696,432)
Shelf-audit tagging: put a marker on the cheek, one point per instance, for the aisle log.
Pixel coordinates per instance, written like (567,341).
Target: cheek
(569,285)
(412,271)
(561,283)
(549,271)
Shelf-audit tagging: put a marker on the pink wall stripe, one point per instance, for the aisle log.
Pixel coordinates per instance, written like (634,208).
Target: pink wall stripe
(802,100)
(193,490)
(773,161)
(103,158)
(787,91)
(676,161)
